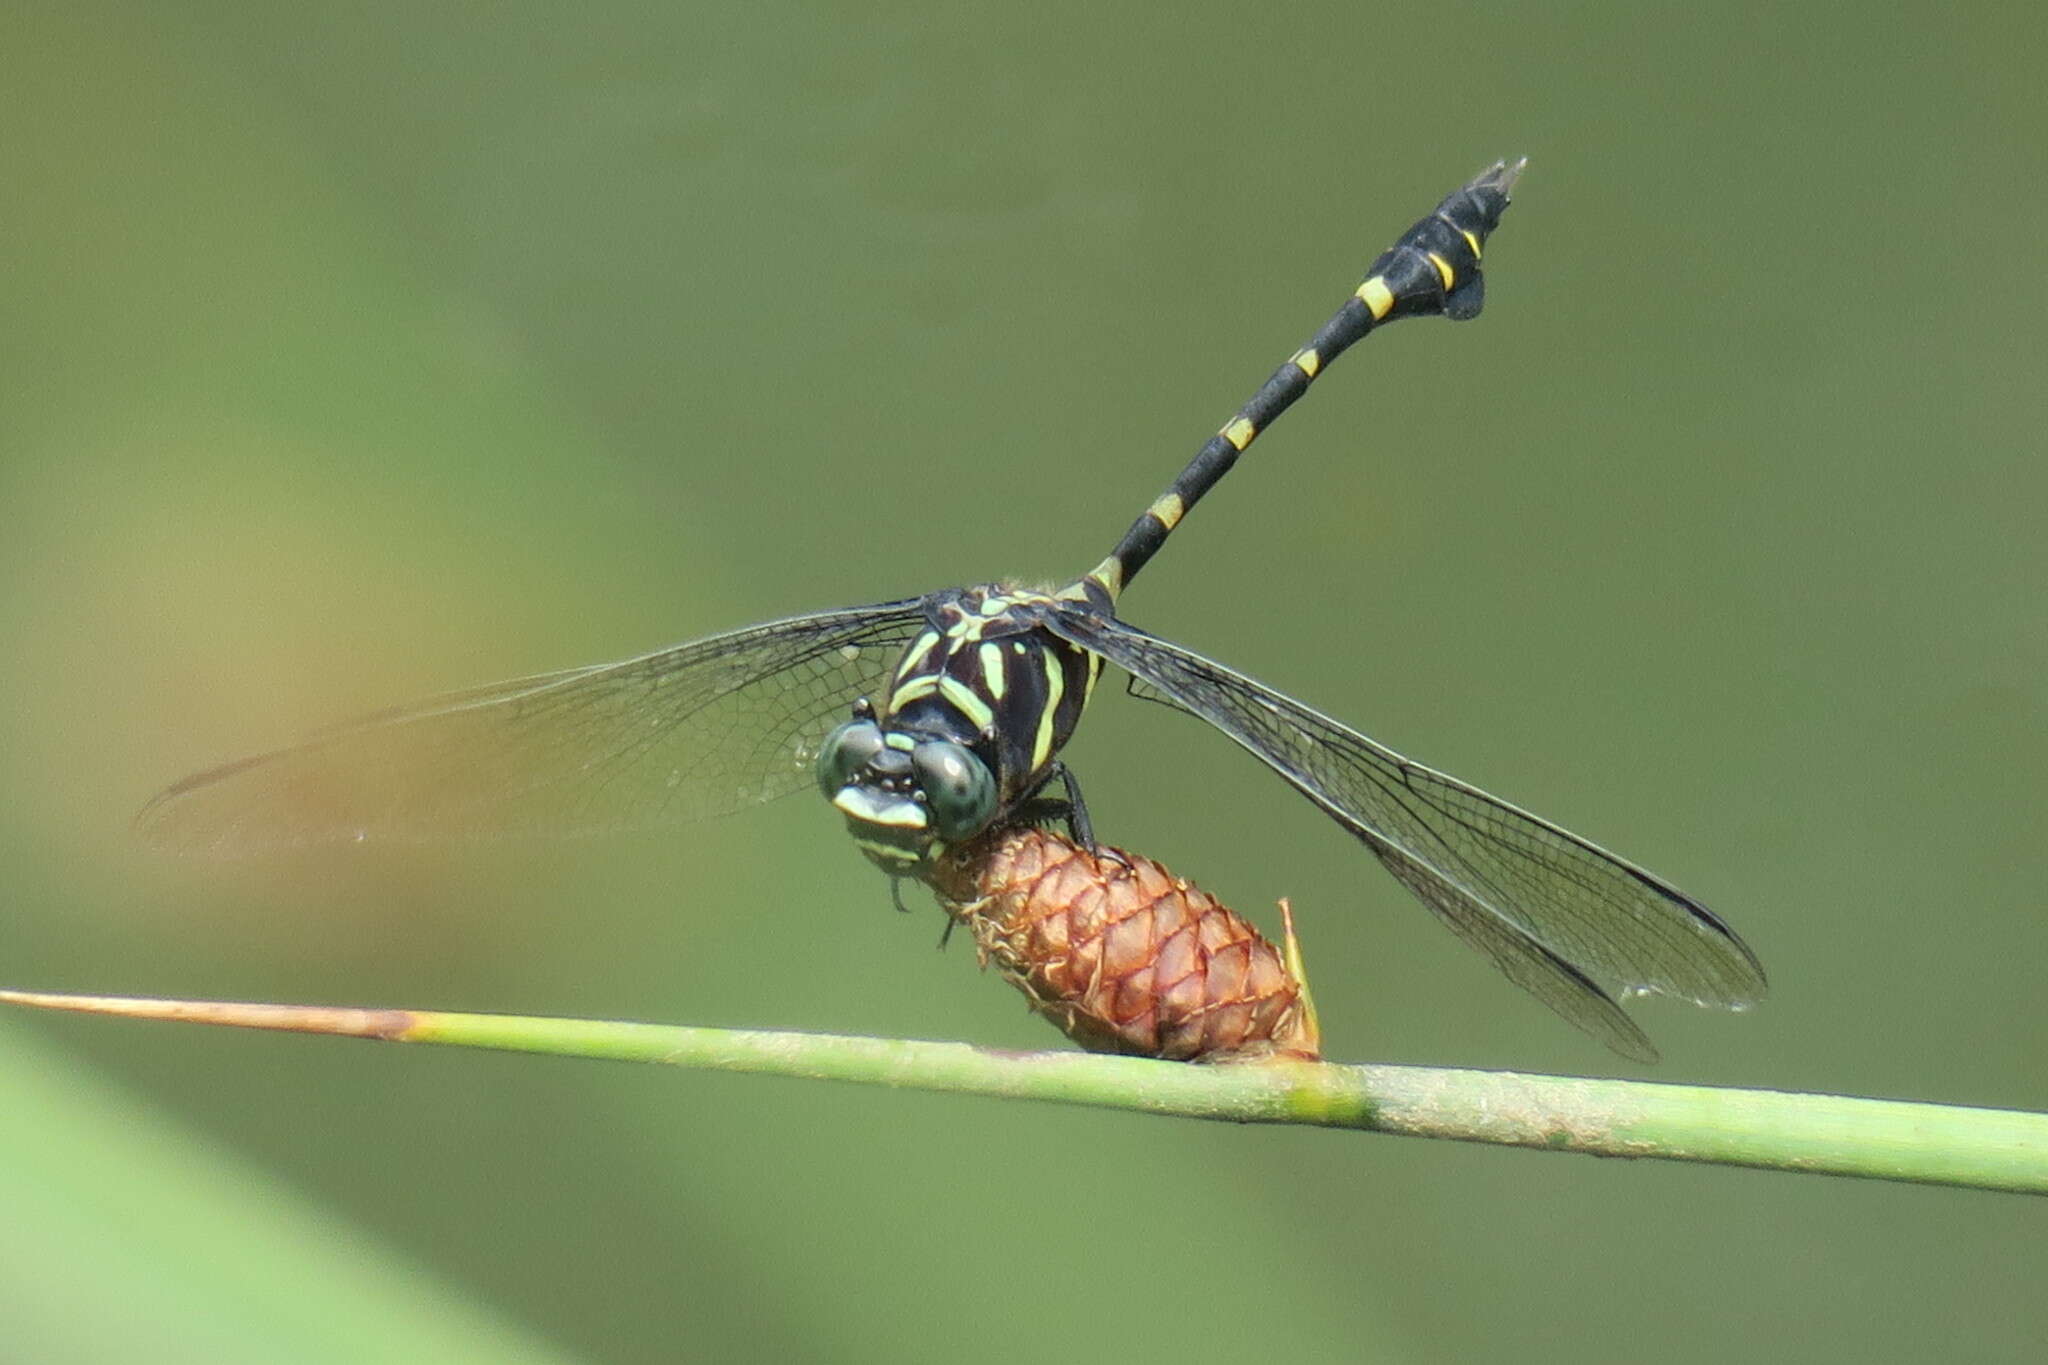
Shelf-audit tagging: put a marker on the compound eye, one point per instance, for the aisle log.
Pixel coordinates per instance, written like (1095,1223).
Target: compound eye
(845,752)
(961,793)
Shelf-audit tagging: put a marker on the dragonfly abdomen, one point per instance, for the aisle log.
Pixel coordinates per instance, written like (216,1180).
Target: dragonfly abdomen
(1433,268)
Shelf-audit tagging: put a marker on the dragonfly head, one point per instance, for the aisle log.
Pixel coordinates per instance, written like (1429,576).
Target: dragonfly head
(906,798)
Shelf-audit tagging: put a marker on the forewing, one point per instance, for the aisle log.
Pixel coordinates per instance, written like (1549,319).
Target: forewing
(698,729)
(1565,919)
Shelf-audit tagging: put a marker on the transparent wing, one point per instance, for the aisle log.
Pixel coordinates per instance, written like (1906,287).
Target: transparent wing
(1565,919)
(699,729)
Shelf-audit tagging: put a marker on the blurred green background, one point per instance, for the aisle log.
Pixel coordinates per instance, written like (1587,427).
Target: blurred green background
(361,352)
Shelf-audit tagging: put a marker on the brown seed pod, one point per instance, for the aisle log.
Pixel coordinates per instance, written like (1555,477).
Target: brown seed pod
(1123,956)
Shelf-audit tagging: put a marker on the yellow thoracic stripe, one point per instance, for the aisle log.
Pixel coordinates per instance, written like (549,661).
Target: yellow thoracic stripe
(1443,268)
(915,655)
(1471,240)
(967,701)
(1375,295)
(1055,688)
(912,690)
(967,628)
(992,668)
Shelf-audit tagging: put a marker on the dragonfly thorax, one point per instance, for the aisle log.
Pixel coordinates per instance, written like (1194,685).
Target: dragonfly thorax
(978,707)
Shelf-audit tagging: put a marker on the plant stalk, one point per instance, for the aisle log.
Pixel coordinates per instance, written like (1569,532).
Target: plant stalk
(1934,1144)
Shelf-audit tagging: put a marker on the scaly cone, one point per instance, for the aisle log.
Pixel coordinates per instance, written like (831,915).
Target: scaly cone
(1122,955)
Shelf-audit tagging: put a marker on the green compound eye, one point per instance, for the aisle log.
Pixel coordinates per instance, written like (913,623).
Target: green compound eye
(961,793)
(845,752)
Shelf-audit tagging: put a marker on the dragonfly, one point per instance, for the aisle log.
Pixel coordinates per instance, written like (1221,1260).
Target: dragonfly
(952,710)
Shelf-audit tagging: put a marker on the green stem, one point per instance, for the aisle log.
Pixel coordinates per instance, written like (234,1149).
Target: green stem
(1993,1149)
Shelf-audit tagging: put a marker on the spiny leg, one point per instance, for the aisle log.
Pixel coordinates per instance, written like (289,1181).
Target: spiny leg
(1068,809)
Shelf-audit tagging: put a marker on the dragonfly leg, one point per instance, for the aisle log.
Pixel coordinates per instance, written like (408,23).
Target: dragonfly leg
(1072,810)
(1068,808)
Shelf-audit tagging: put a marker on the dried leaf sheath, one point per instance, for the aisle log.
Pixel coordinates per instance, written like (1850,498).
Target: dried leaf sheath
(1122,955)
